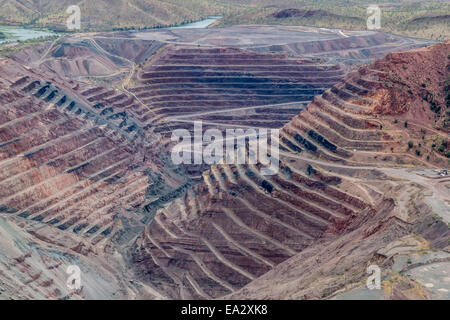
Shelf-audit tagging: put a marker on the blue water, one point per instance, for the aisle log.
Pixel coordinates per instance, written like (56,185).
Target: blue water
(199,24)
(22,34)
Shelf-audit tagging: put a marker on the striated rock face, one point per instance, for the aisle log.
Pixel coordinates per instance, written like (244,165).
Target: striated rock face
(408,78)
(186,83)
(333,198)
(234,230)
(86,179)
(63,165)
(74,182)
(34,259)
(389,98)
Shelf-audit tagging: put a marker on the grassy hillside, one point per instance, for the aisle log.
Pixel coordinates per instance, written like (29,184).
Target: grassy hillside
(109,14)
(417,18)
(423,19)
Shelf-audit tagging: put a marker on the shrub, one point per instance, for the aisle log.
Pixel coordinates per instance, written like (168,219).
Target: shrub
(267,186)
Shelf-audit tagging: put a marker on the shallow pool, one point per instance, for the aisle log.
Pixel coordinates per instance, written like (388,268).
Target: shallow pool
(199,24)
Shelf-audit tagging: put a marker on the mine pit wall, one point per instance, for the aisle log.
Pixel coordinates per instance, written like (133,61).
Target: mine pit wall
(358,114)
(341,262)
(330,258)
(33,264)
(198,79)
(221,258)
(75,166)
(174,84)
(350,51)
(99,168)
(69,103)
(201,229)
(136,50)
(172,244)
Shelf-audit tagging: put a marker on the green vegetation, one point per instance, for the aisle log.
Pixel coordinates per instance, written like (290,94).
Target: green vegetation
(434,106)
(444,148)
(446,122)
(106,15)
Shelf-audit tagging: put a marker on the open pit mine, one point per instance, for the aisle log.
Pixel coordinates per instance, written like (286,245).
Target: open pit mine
(87,180)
